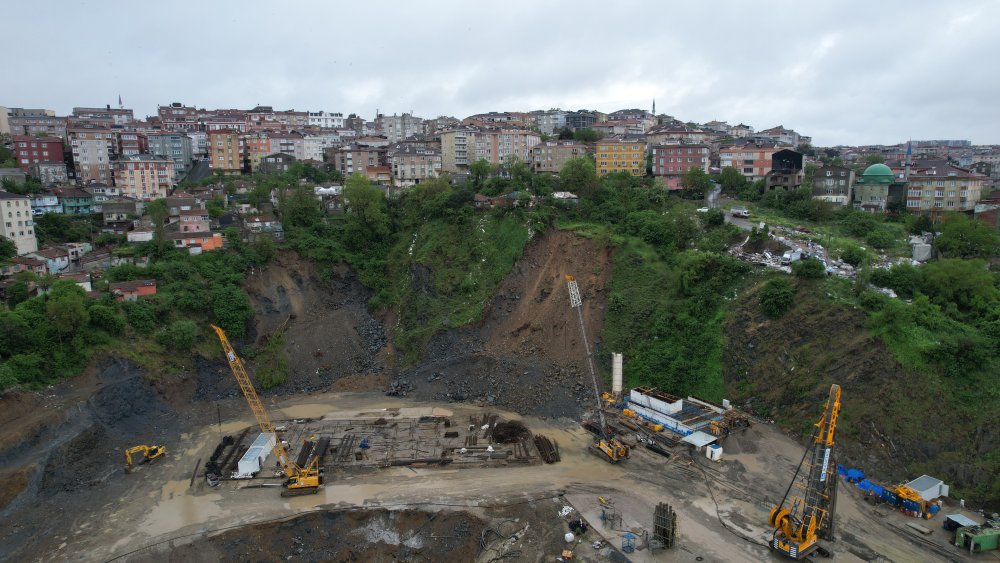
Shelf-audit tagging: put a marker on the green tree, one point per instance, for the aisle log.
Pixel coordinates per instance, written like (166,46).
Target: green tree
(579,176)
(365,208)
(732,180)
(965,284)
(713,218)
(566,133)
(300,208)
(8,249)
(874,159)
(809,268)
(962,237)
(180,335)
(587,135)
(696,183)
(107,319)
(231,309)
(140,316)
(479,172)
(66,311)
(777,297)
(854,255)
(15,335)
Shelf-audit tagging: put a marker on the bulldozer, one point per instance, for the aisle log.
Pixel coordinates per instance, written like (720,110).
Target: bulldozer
(149,453)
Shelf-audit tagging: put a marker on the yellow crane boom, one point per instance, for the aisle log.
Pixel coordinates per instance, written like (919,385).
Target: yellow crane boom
(299,480)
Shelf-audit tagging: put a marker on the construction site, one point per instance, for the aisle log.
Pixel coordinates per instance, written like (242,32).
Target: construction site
(507,445)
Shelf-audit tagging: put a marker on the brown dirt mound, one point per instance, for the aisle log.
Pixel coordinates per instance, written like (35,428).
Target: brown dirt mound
(328,332)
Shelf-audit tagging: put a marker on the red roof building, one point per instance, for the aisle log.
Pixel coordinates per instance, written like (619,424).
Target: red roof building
(33,150)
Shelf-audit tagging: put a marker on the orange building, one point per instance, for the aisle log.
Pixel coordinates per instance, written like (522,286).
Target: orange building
(224,151)
(621,155)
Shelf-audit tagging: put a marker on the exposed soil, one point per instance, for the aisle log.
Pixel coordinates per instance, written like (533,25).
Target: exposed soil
(328,331)
(527,354)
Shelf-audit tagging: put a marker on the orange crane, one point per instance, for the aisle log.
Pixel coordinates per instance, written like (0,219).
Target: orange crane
(809,517)
(298,480)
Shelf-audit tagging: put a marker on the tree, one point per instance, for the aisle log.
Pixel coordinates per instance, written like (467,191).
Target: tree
(713,218)
(874,159)
(231,309)
(579,176)
(777,297)
(479,172)
(107,319)
(809,268)
(66,310)
(180,335)
(566,133)
(587,135)
(732,180)
(299,207)
(696,183)
(962,237)
(966,284)
(854,255)
(365,208)
(8,249)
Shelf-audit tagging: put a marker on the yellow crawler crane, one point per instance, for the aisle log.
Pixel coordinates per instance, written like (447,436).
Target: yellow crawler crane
(298,480)
(809,516)
(149,453)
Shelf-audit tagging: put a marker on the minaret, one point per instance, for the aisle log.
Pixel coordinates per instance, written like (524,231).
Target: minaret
(654,107)
(122,106)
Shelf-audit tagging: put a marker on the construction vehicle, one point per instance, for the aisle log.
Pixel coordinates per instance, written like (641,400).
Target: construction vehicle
(605,446)
(149,453)
(808,518)
(298,480)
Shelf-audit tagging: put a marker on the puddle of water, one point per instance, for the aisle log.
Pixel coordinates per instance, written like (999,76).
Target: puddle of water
(308,410)
(177,509)
(333,494)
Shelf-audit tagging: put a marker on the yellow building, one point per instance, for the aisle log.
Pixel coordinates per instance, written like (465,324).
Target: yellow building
(621,155)
(224,151)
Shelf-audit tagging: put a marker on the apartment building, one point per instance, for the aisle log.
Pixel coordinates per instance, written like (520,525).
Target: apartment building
(35,122)
(672,160)
(935,187)
(622,154)
(131,142)
(93,150)
(464,145)
(16,223)
(356,158)
(174,145)
(117,116)
(833,184)
(29,150)
(49,172)
(751,156)
(289,143)
(458,149)
(398,127)
(551,156)
(144,176)
(256,146)
(325,120)
(224,151)
(412,164)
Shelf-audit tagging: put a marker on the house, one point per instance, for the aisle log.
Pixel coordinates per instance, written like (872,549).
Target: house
(194,221)
(30,150)
(82,279)
(566,197)
(132,290)
(551,156)
(98,260)
(257,224)
(479,201)
(751,156)
(74,201)
(412,163)
(49,172)
(45,202)
(381,175)
(121,210)
(140,234)
(675,132)
(833,184)
(782,135)
(144,176)
(101,192)
(20,264)
(181,201)
(56,258)
(786,171)
(276,163)
(674,159)
(621,154)
(15,175)
(16,223)
(196,243)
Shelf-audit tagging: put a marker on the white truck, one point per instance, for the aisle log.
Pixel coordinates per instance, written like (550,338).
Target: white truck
(791,256)
(739,211)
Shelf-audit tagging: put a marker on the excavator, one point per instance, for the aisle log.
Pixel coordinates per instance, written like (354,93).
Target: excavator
(149,453)
(298,480)
(808,518)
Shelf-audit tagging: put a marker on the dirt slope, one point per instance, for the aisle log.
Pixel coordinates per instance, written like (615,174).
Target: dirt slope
(330,335)
(527,353)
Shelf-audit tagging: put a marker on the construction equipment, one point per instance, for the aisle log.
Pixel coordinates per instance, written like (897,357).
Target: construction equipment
(149,453)
(809,517)
(298,480)
(605,446)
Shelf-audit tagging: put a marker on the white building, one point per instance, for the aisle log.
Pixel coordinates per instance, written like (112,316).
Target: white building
(551,121)
(314,145)
(16,223)
(199,143)
(326,120)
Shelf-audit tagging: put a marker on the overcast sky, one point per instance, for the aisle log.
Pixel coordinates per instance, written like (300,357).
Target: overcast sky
(845,72)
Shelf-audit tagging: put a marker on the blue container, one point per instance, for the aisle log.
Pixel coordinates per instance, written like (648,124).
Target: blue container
(934,509)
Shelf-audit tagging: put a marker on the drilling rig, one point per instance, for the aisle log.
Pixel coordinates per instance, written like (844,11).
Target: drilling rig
(808,517)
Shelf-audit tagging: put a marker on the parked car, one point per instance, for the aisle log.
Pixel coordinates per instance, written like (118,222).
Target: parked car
(739,211)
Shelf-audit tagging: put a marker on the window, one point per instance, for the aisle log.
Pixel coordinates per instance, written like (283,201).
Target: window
(748,170)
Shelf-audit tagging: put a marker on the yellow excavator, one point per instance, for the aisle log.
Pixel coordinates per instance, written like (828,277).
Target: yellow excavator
(611,449)
(298,480)
(149,453)
(809,517)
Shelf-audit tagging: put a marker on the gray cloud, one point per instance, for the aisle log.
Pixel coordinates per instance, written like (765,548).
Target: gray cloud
(843,72)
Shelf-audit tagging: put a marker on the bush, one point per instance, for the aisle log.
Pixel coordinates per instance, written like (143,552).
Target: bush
(854,255)
(713,218)
(180,335)
(777,297)
(140,316)
(810,268)
(231,309)
(107,319)
(904,279)
(880,238)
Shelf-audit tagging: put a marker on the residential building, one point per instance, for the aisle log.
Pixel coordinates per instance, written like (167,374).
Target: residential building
(174,145)
(276,163)
(715,126)
(620,127)
(178,117)
(782,135)
(93,150)
(646,118)
(81,279)
(581,119)
(16,223)
(289,143)
(194,221)
(20,264)
(119,214)
(224,151)
(551,156)
(833,184)
(464,145)
(433,127)
(74,201)
(621,154)
(56,258)
(49,172)
(256,146)
(412,164)
(131,142)
(144,176)
(180,202)
(675,132)
(313,146)
(257,224)
(118,116)
(355,158)
(751,156)
(786,171)
(672,160)
(36,122)
(935,187)
(30,150)
(132,290)
(550,121)
(325,120)
(199,144)
(196,243)
(381,175)
(101,192)
(15,175)
(741,131)
(45,202)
